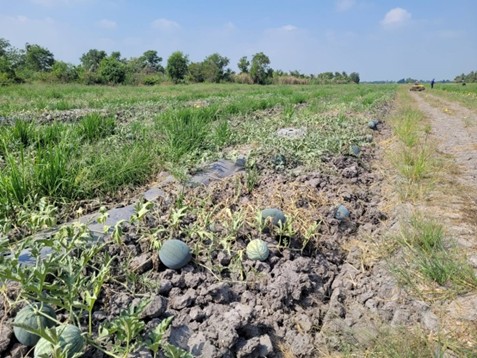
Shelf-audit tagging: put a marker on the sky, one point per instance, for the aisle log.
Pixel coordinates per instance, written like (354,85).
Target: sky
(379,39)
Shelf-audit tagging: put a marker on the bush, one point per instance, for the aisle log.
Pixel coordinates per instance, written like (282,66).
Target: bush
(290,80)
(112,71)
(243,78)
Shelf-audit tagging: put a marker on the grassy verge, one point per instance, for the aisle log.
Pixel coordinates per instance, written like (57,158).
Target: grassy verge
(429,265)
(412,153)
(465,95)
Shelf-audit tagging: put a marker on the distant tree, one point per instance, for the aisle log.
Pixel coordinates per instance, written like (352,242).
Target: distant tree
(470,77)
(297,74)
(214,68)
(260,69)
(116,55)
(243,64)
(196,72)
(177,66)
(91,59)
(112,70)
(4,46)
(38,58)
(151,62)
(354,77)
(64,72)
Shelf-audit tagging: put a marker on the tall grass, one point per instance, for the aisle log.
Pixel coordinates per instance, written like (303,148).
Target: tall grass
(428,259)
(186,131)
(98,155)
(53,173)
(94,126)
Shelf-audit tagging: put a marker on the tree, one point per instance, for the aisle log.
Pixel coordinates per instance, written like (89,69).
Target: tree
(4,46)
(38,58)
(64,72)
(91,59)
(112,70)
(213,68)
(151,62)
(260,69)
(177,66)
(196,72)
(243,64)
(116,55)
(354,77)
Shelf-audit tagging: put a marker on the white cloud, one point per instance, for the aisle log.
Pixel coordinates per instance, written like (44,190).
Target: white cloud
(395,17)
(289,28)
(107,24)
(343,5)
(165,24)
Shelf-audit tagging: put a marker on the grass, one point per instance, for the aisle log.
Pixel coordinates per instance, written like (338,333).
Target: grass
(414,342)
(465,95)
(174,128)
(412,152)
(429,262)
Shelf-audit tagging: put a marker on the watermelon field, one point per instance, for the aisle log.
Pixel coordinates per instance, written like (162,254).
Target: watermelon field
(219,220)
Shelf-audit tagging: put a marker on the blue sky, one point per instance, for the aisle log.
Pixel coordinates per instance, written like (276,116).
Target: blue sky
(379,39)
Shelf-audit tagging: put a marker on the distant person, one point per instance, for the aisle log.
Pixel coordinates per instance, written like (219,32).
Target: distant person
(432,83)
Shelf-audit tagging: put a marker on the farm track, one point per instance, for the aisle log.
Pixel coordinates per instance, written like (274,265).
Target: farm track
(455,129)
(454,205)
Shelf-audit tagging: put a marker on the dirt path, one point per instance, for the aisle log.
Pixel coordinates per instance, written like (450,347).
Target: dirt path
(455,130)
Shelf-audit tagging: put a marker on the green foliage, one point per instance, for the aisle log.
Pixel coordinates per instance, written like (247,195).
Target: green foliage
(64,72)
(177,66)
(151,62)
(469,77)
(186,131)
(215,70)
(91,60)
(112,70)
(212,69)
(429,258)
(94,126)
(243,64)
(354,77)
(260,70)
(38,58)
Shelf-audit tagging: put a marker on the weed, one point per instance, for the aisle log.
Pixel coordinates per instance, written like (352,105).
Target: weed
(427,257)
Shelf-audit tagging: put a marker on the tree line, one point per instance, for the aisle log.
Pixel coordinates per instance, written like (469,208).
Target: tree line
(470,77)
(37,63)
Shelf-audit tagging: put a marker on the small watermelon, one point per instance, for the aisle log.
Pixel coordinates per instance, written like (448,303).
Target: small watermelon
(276,216)
(174,254)
(35,316)
(342,213)
(373,124)
(257,250)
(70,341)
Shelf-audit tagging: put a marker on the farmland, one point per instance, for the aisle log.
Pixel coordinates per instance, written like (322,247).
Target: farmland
(340,162)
